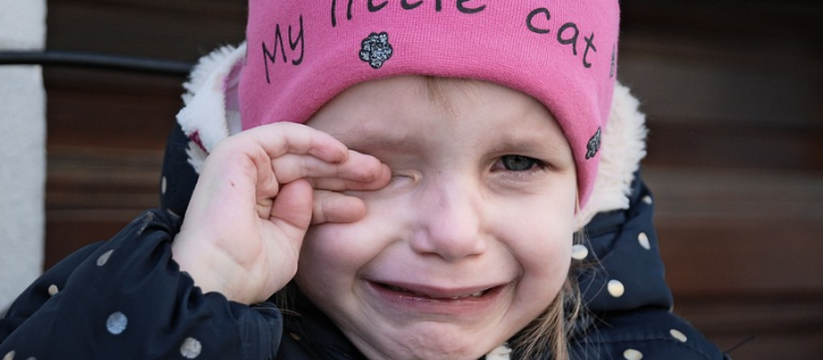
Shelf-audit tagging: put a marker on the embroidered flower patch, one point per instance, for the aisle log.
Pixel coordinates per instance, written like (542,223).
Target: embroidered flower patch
(594,145)
(376,49)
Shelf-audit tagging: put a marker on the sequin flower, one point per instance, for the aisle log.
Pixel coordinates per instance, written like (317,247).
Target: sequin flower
(376,49)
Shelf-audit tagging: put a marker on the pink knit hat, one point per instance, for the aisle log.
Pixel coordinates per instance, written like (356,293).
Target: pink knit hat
(302,53)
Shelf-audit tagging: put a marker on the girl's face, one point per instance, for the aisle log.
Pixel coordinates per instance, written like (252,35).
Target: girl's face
(469,242)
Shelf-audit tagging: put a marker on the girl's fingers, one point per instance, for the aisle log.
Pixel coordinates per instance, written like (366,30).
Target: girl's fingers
(289,151)
(292,209)
(283,138)
(363,178)
(338,184)
(334,207)
(358,170)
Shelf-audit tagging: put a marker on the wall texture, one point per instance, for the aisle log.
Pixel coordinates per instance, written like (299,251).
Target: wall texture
(22,149)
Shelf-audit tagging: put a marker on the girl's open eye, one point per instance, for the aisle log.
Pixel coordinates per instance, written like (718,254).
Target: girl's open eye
(518,162)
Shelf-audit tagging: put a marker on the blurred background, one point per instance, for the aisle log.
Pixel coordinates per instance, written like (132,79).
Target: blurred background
(734,96)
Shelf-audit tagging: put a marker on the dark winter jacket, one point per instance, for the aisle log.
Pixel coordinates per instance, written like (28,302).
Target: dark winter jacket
(126,298)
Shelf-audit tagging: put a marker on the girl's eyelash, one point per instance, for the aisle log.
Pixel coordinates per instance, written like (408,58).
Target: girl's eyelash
(520,163)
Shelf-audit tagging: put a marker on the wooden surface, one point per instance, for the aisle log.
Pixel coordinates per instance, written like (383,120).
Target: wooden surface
(734,96)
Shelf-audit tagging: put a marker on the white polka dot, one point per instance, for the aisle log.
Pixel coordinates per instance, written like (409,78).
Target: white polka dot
(147,219)
(53,290)
(116,323)
(632,354)
(190,348)
(678,335)
(172,213)
(647,199)
(616,288)
(9,356)
(163,184)
(643,239)
(32,358)
(103,259)
(579,252)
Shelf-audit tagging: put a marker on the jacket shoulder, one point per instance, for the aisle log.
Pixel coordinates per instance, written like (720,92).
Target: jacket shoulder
(645,334)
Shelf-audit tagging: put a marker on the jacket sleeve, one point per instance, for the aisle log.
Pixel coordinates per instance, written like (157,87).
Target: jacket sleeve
(126,299)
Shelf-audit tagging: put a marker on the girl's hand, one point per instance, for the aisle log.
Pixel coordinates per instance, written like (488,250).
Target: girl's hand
(255,200)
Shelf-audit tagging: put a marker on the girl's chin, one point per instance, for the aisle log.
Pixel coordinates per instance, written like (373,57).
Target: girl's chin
(409,325)
(432,347)
(432,340)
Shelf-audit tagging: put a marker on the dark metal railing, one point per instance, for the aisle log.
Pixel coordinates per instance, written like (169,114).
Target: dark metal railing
(97,61)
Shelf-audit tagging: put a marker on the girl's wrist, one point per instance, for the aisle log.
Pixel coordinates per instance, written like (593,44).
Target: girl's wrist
(211,269)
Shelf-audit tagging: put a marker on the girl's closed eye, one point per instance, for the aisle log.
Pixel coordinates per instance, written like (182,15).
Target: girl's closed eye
(402,178)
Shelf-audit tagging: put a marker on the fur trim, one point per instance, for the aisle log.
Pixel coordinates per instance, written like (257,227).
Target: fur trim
(622,148)
(208,117)
(204,117)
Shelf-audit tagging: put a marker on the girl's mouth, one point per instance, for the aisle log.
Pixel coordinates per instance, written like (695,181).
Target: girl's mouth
(476,294)
(424,302)
(429,293)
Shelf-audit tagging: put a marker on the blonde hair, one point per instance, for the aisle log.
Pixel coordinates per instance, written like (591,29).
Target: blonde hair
(552,330)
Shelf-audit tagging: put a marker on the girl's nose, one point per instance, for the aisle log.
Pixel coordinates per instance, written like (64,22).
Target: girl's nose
(450,222)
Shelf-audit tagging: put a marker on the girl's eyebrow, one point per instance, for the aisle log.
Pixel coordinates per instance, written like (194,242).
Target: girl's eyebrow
(531,144)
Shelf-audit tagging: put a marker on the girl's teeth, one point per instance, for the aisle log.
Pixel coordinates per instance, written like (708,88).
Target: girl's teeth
(477,294)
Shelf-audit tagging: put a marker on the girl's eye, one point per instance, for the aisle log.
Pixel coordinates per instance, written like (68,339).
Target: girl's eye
(518,162)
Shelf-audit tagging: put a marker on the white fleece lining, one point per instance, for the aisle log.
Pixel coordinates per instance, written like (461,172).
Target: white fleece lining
(623,146)
(204,111)
(623,143)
